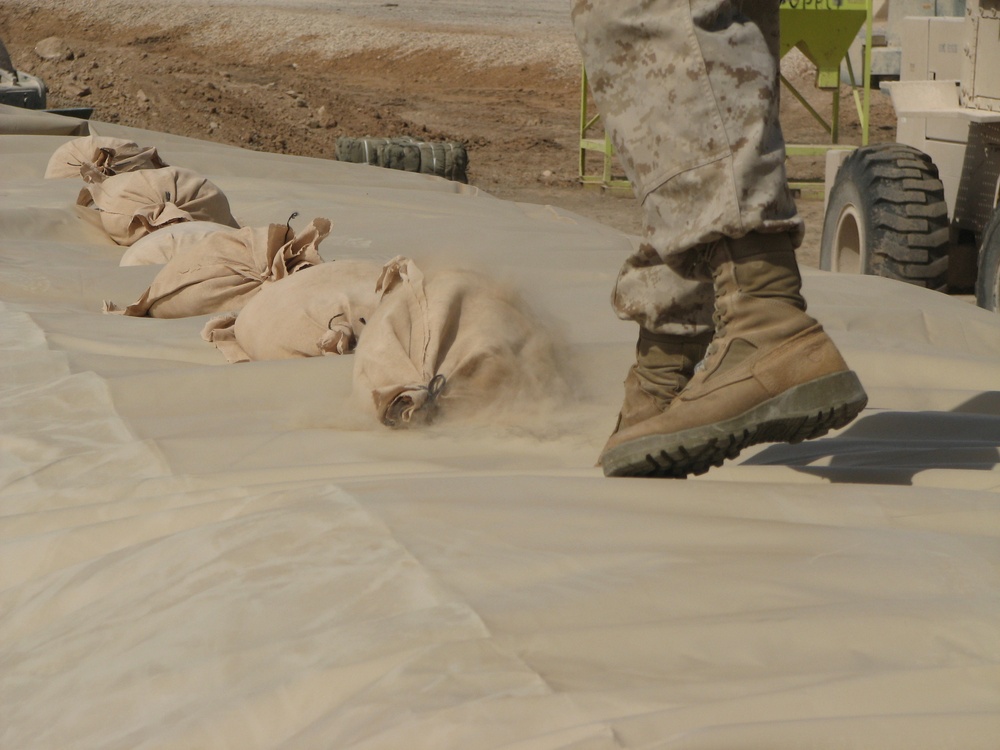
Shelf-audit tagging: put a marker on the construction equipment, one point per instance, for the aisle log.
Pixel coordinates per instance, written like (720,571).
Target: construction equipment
(823,30)
(887,42)
(925,208)
(19,89)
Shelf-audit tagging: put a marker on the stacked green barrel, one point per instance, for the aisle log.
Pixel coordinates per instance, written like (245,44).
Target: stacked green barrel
(446,159)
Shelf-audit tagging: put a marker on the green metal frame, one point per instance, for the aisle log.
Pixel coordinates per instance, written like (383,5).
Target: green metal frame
(600,145)
(823,30)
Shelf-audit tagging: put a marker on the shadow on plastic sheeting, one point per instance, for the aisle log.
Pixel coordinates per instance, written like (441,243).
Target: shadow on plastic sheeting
(892,447)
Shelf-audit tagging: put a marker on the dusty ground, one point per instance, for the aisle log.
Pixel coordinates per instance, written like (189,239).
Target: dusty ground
(293,81)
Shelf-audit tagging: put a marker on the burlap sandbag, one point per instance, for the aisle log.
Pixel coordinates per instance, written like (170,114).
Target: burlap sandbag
(108,155)
(133,204)
(455,342)
(163,244)
(224,272)
(316,311)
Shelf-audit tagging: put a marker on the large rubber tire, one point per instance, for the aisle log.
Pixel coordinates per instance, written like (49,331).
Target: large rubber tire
(988,278)
(886,216)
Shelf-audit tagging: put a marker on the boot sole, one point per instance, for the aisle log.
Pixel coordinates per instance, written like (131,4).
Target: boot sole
(803,412)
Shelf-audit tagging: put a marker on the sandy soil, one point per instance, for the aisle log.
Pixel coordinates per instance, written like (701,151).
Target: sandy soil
(503,78)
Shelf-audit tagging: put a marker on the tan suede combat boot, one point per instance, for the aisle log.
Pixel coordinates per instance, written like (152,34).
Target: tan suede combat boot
(663,365)
(771,374)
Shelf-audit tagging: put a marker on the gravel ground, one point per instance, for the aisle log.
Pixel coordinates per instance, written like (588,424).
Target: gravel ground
(484,33)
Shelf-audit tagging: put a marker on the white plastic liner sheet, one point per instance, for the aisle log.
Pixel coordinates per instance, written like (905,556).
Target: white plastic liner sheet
(198,554)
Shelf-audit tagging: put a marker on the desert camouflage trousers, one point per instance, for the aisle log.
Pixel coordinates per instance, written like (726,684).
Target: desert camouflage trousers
(688,92)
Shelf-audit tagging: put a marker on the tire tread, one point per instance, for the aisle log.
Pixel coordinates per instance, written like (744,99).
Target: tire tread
(898,190)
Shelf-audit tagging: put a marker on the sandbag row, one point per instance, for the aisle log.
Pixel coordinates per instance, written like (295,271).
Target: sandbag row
(453,341)
(129,191)
(224,270)
(175,217)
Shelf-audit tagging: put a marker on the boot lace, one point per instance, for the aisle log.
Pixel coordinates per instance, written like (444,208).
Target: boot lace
(720,315)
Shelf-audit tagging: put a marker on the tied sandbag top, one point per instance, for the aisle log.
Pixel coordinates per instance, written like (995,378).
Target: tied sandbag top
(133,204)
(222,273)
(107,155)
